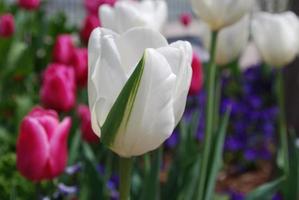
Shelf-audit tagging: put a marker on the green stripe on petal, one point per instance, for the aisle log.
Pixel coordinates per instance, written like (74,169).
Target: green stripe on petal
(120,112)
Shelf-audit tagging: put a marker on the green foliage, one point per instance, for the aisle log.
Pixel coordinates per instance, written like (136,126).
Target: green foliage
(266,191)
(12,184)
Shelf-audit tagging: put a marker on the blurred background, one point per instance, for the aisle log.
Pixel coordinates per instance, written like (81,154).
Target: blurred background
(250,148)
(74,9)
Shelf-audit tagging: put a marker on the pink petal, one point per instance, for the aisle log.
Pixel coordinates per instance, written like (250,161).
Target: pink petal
(32,149)
(58,149)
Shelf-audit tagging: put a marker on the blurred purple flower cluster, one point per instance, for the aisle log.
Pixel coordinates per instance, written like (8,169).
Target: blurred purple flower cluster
(251,132)
(254,114)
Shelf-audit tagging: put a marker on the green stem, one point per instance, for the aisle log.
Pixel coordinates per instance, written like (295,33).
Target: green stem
(38,192)
(151,183)
(125,177)
(209,117)
(217,102)
(282,120)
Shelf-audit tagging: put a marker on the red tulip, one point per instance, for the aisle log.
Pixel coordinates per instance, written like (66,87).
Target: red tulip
(80,64)
(7,25)
(92,6)
(58,90)
(185,19)
(63,49)
(91,22)
(197,75)
(42,145)
(29,4)
(87,133)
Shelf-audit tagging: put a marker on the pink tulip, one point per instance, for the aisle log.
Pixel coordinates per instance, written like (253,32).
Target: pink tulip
(197,75)
(79,62)
(29,4)
(91,22)
(92,6)
(42,145)
(63,49)
(58,90)
(87,133)
(7,25)
(185,19)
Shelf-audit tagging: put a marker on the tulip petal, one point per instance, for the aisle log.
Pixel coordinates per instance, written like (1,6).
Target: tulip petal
(107,78)
(151,120)
(32,149)
(128,14)
(220,13)
(236,38)
(94,56)
(108,18)
(58,149)
(131,45)
(179,56)
(276,37)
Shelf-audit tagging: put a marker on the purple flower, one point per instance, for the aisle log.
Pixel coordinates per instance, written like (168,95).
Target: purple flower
(73,169)
(277,196)
(236,195)
(268,129)
(112,185)
(172,141)
(67,190)
(255,102)
(233,144)
(101,169)
(250,154)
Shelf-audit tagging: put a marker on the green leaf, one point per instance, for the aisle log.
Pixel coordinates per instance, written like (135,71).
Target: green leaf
(92,183)
(74,148)
(265,191)
(215,162)
(291,187)
(152,182)
(119,114)
(15,53)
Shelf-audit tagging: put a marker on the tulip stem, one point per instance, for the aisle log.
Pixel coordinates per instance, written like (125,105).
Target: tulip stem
(210,112)
(282,120)
(125,169)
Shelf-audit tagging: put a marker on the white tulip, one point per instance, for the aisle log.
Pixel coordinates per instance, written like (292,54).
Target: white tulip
(276,37)
(162,93)
(221,13)
(127,14)
(231,41)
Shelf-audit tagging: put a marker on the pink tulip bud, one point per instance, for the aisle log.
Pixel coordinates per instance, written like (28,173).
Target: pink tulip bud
(197,75)
(29,4)
(42,145)
(87,133)
(63,49)
(185,19)
(80,64)
(58,90)
(92,6)
(7,25)
(91,22)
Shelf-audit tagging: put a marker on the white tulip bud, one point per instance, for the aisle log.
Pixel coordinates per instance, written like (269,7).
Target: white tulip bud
(138,84)
(276,37)
(221,13)
(127,14)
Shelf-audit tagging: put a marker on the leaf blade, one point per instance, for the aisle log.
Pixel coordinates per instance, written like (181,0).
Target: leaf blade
(119,114)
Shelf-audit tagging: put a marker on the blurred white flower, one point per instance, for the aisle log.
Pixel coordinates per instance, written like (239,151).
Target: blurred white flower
(276,37)
(158,102)
(127,14)
(221,13)
(231,41)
